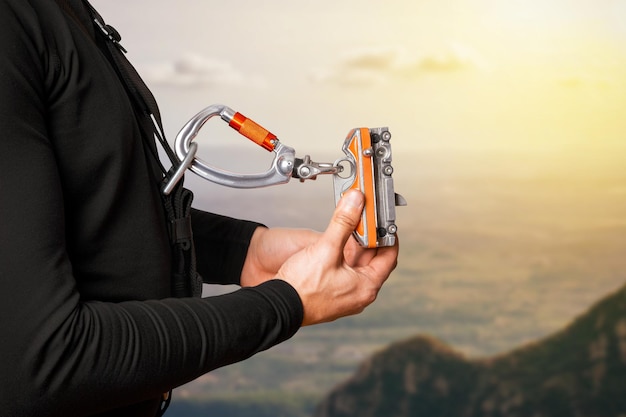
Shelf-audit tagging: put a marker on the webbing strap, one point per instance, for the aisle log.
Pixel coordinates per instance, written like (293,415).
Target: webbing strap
(138,91)
(185,280)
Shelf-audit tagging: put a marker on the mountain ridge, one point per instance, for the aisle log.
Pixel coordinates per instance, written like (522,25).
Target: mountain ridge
(579,370)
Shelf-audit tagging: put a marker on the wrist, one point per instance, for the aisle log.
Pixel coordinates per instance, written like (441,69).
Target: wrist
(251,263)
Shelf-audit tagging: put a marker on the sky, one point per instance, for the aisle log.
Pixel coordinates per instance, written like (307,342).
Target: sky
(444,75)
(535,83)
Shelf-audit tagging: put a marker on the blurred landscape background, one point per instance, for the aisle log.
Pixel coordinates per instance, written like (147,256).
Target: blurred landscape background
(509,140)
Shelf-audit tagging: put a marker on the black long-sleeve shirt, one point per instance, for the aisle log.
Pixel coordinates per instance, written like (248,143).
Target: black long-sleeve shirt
(86,325)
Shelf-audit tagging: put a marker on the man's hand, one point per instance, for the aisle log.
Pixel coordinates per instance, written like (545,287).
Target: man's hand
(333,275)
(269,249)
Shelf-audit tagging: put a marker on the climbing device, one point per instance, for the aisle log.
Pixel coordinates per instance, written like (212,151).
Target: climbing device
(365,165)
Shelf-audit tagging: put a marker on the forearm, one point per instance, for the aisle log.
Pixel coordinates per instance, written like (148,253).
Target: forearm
(103,354)
(221,245)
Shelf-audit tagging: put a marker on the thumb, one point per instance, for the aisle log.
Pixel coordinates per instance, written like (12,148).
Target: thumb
(345,219)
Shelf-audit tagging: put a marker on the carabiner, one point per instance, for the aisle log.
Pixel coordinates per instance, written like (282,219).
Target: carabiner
(282,166)
(168,186)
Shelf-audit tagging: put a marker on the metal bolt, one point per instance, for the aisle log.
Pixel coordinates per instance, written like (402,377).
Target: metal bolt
(305,171)
(388,170)
(386,136)
(368,152)
(392,229)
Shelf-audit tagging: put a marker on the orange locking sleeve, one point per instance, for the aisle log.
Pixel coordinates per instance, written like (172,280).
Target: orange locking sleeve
(253,131)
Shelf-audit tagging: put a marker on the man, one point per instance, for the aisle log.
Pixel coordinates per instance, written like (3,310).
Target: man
(89,325)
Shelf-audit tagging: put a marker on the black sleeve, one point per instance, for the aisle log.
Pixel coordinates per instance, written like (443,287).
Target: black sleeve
(61,355)
(221,246)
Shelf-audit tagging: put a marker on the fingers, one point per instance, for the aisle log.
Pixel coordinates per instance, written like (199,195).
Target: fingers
(381,265)
(329,285)
(357,255)
(345,219)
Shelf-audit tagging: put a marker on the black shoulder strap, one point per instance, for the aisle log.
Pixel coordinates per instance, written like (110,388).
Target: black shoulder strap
(140,94)
(185,280)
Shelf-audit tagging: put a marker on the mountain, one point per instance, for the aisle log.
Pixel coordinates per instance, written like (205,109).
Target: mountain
(579,371)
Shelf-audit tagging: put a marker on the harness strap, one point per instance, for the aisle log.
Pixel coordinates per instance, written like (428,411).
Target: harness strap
(143,101)
(185,280)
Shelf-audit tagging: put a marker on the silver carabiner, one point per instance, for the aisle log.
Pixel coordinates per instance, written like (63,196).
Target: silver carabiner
(168,187)
(282,166)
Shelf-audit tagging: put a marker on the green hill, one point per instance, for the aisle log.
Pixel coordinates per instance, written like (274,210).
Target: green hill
(579,371)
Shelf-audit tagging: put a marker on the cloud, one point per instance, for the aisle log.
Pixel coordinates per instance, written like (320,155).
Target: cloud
(369,66)
(194,70)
